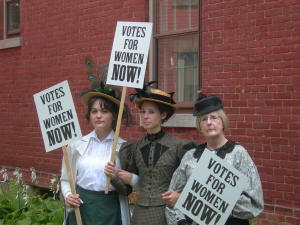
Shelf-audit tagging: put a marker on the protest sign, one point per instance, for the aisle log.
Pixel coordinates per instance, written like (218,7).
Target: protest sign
(59,124)
(127,65)
(57,116)
(211,191)
(129,54)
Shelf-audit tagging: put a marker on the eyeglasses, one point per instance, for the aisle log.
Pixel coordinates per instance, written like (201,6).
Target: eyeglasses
(212,118)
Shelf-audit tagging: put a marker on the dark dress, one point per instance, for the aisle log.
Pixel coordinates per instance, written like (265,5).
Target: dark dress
(154,158)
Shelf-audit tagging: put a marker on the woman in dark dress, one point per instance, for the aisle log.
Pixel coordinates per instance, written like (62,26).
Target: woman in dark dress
(154,157)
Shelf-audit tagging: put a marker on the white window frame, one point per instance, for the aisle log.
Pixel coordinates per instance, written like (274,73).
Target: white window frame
(8,42)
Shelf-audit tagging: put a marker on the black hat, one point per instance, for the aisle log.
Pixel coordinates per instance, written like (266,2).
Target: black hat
(206,104)
(151,94)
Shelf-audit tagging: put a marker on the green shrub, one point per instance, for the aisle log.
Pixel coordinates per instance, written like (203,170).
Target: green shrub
(17,207)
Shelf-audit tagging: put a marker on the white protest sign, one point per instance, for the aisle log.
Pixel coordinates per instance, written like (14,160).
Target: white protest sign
(129,54)
(57,116)
(211,191)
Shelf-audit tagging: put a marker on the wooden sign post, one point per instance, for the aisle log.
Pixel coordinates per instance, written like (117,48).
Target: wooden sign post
(59,124)
(117,133)
(72,182)
(127,64)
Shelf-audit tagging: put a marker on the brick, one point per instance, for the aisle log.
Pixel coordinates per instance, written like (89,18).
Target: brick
(292,134)
(264,21)
(292,180)
(294,126)
(284,172)
(297,213)
(284,211)
(274,194)
(293,220)
(264,155)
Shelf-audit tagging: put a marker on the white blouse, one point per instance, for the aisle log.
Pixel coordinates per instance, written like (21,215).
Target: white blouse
(91,164)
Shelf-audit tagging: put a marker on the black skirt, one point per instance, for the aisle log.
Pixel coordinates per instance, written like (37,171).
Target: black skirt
(236,221)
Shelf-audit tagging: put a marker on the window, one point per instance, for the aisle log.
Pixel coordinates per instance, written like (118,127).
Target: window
(12,17)
(176,44)
(187,76)
(9,23)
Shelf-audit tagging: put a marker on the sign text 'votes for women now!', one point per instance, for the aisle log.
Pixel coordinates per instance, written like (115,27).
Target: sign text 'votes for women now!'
(57,116)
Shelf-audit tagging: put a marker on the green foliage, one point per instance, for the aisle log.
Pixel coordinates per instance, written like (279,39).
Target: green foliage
(17,207)
(42,211)
(12,202)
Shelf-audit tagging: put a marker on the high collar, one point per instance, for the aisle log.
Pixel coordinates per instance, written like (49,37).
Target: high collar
(154,137)
(221,152)
(109,137)
(82,144)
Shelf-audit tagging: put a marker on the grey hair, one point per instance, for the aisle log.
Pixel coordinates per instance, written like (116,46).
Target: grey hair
(221,114)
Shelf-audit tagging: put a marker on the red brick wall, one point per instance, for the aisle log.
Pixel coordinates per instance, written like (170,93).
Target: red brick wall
(250,57)
(56,37)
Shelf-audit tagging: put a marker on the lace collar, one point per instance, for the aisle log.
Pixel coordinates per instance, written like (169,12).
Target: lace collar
(221,152)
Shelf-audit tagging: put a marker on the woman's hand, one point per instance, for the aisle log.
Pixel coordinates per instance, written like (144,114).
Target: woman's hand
(170,197)
(110,170)
(125,176)
(73,200)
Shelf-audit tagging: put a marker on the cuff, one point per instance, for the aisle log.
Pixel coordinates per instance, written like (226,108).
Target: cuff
(67,194)
(134,180)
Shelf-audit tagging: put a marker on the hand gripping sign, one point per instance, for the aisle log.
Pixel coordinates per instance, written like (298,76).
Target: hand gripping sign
(59,124)
(211,191)
(127,64)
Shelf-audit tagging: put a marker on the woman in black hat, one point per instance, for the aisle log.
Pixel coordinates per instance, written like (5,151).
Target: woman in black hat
(88,157)
(154,157)
(211,123)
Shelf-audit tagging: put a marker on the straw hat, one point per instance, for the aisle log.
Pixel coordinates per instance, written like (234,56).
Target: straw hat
(151,94)
(104,91)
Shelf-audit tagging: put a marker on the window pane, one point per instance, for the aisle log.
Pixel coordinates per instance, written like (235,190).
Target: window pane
(178,66)
(176,15)
(187,76)
(1,20)
(13,15)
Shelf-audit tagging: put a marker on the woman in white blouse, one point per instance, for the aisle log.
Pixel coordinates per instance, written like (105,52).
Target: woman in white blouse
(88,157)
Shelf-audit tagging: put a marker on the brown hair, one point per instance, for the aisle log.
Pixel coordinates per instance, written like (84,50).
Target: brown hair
(162,109)
(106,104)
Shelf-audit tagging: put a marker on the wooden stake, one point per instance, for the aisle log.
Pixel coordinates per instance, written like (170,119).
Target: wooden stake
(71,181)
(117,132)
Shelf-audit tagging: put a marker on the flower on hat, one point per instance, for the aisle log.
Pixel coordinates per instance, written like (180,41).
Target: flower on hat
(98,84)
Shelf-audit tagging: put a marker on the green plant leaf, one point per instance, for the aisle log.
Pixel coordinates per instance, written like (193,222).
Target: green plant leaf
(39,210)
(26,221)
